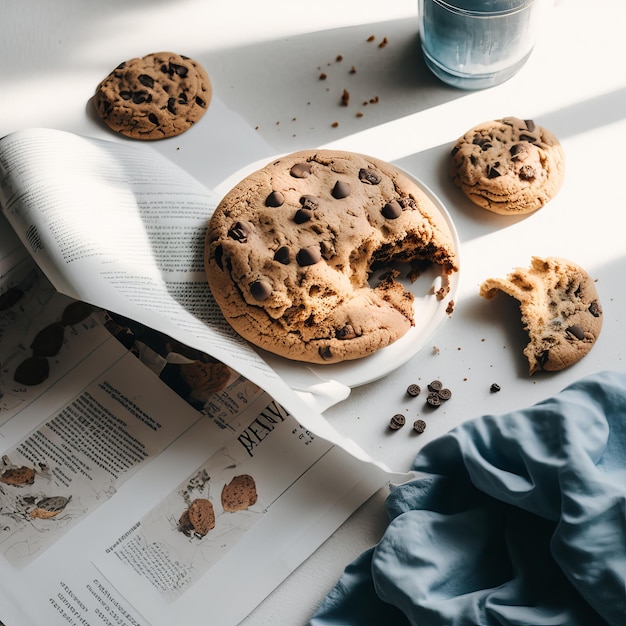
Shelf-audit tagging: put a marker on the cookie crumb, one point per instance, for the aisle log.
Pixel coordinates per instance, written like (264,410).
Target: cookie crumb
(383,43)
(359,114)
(323,76)
(335,124)
(494,388)
(345,98)
(339,58)
(371,38)
(352,70)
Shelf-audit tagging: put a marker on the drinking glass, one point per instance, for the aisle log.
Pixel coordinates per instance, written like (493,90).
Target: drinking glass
(474,44)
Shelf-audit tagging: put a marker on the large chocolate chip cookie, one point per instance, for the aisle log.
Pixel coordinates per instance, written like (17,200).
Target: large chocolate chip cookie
(508,166)
(560,310)
(289,250)
(153,97)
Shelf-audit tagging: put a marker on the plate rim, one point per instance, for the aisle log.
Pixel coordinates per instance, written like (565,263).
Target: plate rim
(319,372)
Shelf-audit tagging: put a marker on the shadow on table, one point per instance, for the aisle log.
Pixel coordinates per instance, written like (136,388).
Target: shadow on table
(473,222)
(384,78)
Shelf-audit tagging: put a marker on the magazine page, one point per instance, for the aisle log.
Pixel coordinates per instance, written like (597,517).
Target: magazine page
(120,227)
(139,477)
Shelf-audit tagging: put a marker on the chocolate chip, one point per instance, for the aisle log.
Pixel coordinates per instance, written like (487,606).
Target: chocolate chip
(433,399)
(275,199)
(483,142)
(392,210)
(419,426)
(444,394)
(454,150)
(542,359)
(527,172)
(494,388)
(283,255)
(200,102)
(154,119)
(302,216)
(594,309)
(518,151)
(397,421)
(413,390)
(309,202)
(146,80)
(219,253)
(239,232)
(309,256)
(492,172)
(139,97)
(180,70)
(341,190)
(435,385)
(261,290)
(326,353)
(347,332)
(126,95)
(300,170)
(369,176)
(528,138)
(576,331)
(530,125)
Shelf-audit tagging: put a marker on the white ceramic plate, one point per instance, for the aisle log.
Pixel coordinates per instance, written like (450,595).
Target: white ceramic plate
(430,314)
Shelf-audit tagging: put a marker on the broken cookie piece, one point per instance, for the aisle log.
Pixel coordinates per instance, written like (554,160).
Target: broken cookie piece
(560,310)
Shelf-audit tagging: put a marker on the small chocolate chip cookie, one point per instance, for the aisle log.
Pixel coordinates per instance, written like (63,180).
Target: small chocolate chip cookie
(508,166)
(560,310)
(198,519)
(18,476)
(239,494)
(290,249)
(156,96)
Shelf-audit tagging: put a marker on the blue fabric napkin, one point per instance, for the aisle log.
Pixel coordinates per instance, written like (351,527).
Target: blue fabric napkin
(518,519)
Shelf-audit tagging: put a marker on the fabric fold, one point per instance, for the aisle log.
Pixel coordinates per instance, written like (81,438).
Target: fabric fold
(517,519)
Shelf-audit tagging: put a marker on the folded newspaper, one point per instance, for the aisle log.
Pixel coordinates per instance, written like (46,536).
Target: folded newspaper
(154,466)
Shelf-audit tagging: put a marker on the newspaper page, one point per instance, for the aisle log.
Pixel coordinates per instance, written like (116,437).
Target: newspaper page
(122,227)
(141,480)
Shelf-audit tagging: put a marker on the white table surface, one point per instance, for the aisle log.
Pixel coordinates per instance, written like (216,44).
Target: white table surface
(264,60)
